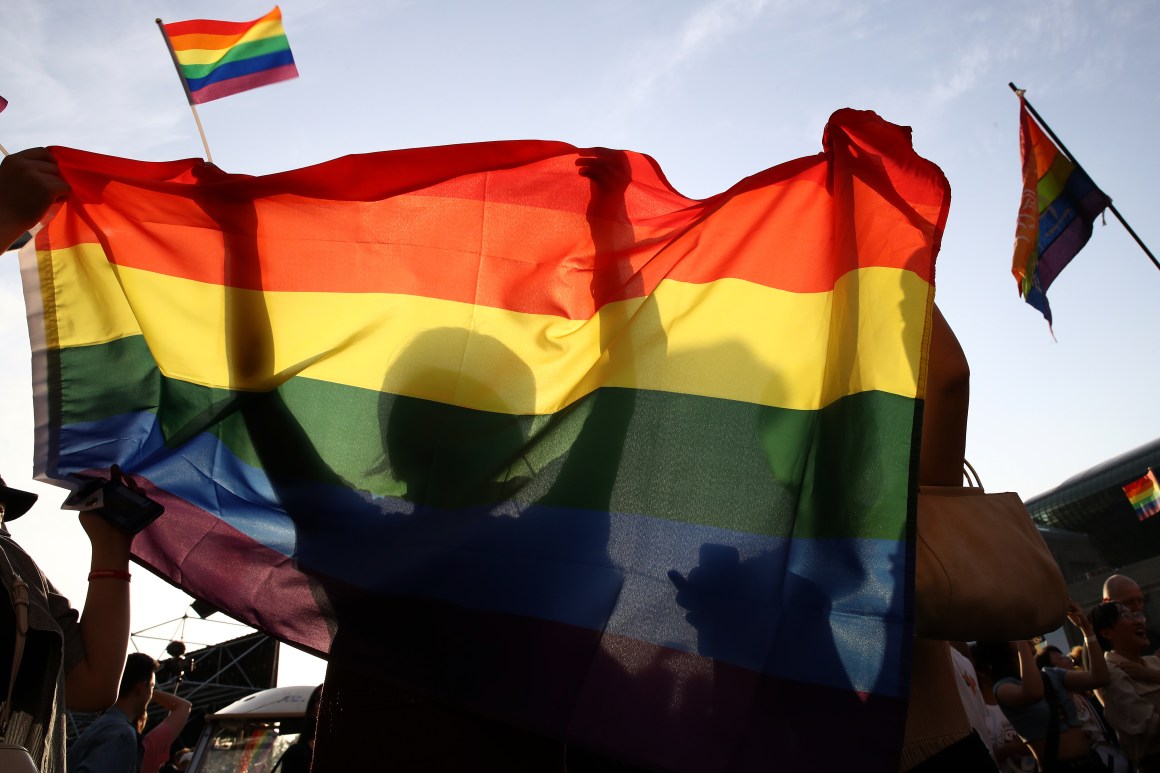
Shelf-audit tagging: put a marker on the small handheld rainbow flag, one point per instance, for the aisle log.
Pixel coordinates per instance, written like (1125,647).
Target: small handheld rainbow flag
(3,104)
(1144,494)
(1060,203)
(218,58)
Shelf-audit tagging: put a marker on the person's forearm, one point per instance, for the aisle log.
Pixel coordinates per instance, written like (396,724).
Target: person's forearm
(169,701)
(92,684)
(1097,664)
(1029,673)
(944,419)
(178,709)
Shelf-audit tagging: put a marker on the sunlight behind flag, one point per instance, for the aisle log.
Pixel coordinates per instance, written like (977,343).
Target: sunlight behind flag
(608,463)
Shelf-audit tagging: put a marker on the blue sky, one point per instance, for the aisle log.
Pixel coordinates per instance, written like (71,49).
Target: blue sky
(715,91)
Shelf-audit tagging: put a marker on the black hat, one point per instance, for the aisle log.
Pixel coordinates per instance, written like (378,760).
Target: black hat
(16,502)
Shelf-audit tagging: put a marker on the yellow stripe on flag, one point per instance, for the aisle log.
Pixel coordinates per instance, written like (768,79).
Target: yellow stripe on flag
(718,337)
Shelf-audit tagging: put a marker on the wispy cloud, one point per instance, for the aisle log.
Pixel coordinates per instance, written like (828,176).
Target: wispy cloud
(966,70)
(704,30)
(134,101)
(979,51)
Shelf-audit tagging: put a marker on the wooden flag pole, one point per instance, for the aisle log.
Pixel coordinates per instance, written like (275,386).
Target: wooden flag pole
(1068,153)
(188,96)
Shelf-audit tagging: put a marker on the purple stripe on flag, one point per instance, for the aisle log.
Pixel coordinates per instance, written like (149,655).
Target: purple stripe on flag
(1065,247)
(203,553)
(244,83)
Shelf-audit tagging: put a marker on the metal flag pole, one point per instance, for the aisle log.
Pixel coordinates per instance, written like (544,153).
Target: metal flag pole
(1068,153)
(184,85)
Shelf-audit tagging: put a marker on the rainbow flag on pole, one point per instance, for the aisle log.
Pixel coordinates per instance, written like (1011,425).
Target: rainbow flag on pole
(1144,494)
(1060,203)
(218,58)
(572,451)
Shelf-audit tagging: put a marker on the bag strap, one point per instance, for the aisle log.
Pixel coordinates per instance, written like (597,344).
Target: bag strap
(20,608)
(971,476)
(1052,722)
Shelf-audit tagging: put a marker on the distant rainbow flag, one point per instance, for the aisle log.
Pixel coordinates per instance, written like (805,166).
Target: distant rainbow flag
(1144,494)
(1060,203)
(218,58)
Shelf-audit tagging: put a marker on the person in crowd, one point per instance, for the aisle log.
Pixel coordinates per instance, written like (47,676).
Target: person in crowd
(67,661)
(178,761)
(1038,704)
(939,737)
(1088,711)
(1132,696)
(1008,749)
(110,743)
(1124,590)
(155,744)
(174,667)
(1078,654)
(297,758)
(967,681)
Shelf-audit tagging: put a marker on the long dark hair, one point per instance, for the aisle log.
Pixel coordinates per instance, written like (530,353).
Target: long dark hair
(997,659)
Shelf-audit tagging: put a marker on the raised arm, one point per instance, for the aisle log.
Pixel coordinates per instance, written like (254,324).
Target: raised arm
(159,739)
(1097,675)
(1031,689)
(177,707)
(92,683)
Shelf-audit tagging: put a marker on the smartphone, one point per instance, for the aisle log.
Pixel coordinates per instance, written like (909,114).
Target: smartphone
(115,502)
(127,510)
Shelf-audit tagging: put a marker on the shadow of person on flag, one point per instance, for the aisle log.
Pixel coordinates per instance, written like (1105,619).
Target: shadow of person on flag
(498,573)
(454,591)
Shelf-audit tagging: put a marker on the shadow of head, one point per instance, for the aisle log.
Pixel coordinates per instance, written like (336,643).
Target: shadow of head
(450,418)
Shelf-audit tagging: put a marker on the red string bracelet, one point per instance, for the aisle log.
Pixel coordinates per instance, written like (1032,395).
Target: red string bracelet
(109,574)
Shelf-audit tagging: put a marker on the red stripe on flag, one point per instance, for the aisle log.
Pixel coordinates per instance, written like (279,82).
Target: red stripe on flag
(214,26)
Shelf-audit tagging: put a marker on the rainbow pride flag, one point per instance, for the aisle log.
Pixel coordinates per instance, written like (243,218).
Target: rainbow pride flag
(573,451)
(1060,203)
(218,58)
(1144,494)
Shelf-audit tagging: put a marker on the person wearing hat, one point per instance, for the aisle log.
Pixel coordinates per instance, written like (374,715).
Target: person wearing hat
(69,660)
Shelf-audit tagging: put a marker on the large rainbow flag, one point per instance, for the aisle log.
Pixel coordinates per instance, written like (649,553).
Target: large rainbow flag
(218,58)
(1060,203)
(534,433)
